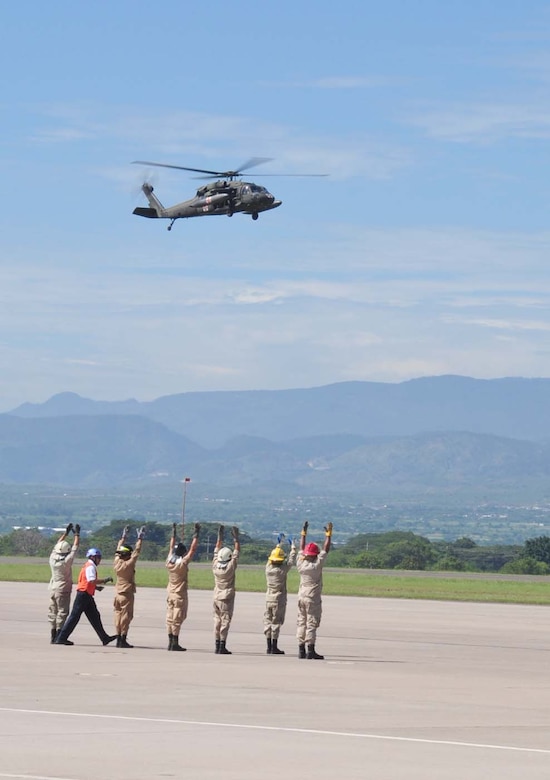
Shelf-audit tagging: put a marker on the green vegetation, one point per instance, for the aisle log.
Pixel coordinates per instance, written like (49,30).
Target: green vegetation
(340,582)
(391,550)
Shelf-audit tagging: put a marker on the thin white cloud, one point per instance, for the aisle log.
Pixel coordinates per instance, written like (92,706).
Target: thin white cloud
(484,122)
(503,324)
(199,139)
(346,82)
(60,135)
(379,305)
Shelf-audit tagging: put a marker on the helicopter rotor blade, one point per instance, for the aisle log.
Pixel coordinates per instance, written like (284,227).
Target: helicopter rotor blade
(177,167)
(251,163)
(318,175)
(225,174)
(147,176)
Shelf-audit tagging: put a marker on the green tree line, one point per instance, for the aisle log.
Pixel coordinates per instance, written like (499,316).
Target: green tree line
(390,550)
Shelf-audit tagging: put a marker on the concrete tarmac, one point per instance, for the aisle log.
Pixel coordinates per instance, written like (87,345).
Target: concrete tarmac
(409,689)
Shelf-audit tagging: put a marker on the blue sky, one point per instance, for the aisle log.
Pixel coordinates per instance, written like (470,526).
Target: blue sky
(425,251)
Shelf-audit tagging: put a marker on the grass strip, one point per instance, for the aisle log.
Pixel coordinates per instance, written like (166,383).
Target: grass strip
(335,583)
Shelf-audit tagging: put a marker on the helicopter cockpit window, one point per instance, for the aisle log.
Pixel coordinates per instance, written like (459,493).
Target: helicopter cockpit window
(257,188)
(246,189)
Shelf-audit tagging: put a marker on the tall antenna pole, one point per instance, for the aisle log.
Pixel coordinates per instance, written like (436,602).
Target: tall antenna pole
(185,481)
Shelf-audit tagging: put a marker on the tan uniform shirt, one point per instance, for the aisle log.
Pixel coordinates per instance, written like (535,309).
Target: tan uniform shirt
(178,572)
(224,576)
(126,571)
(276,579)
(311,576)
(62,571)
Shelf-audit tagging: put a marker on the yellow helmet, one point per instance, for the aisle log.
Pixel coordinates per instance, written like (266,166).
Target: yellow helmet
(277,555)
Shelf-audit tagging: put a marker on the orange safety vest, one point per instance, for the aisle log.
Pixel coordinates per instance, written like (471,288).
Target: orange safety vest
(83,584)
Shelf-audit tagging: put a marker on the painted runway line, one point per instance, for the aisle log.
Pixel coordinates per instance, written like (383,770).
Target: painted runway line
(284,729)
(35,777)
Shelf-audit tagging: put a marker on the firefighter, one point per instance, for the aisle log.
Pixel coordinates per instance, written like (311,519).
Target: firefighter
(125,586)
(224,566)
(310,567)
(276,573)
(61,582)
(177,564)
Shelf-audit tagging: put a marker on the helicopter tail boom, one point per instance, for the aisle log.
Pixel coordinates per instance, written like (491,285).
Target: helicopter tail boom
(156,209)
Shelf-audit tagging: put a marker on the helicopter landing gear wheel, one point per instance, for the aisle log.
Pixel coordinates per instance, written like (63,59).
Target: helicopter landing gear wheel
(255,216)
(229,213)
(170,225)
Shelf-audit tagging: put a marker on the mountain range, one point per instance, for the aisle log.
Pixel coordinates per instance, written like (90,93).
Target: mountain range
(443,434)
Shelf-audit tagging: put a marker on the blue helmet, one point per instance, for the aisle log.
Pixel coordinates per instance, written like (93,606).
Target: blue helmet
(93,552)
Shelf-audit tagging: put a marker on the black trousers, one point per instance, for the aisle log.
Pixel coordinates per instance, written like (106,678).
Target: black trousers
(83,604)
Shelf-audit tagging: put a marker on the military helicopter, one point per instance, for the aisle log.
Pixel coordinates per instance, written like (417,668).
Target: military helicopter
(227,195)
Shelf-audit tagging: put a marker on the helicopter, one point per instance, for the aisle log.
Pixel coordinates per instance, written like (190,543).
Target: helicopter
(227,195)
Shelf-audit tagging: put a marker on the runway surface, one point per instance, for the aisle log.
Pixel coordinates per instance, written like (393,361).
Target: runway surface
(409,689)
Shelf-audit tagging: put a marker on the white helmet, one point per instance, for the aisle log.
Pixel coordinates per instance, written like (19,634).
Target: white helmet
(62,548)
(224,555)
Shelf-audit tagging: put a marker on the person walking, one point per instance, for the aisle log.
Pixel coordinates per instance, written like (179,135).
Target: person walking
(84,603)
(61,581)
(224,566)
(125,585)
(276,573)
(177,564)
(310,567)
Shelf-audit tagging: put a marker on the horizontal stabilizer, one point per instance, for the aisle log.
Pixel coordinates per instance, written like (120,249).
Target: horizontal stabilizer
(144,212)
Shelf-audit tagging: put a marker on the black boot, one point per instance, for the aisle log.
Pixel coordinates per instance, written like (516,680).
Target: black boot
(301,651)
(59,641)
(223,649)
(123,641)
(108,639)
(175,643)
(311,654)
(170,641)
(118,640)
(53,634)
(269,646)
(218,643)
(275,650)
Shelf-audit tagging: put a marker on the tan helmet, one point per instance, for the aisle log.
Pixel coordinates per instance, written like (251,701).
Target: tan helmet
(277,555)
(62,548)
(224,555)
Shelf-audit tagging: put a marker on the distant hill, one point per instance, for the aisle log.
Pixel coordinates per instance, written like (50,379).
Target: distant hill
(108,450)
(91,451)
(511,407)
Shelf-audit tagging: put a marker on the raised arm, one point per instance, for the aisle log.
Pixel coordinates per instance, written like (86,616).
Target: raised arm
(219,540)
(173,539)
(235,535)
(328,537)
(303,536)
(65,533)
(194,541)
(122,539)
(76,541)
(139,542)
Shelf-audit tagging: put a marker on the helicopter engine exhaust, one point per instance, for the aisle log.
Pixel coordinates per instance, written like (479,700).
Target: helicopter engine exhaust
(211,200)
